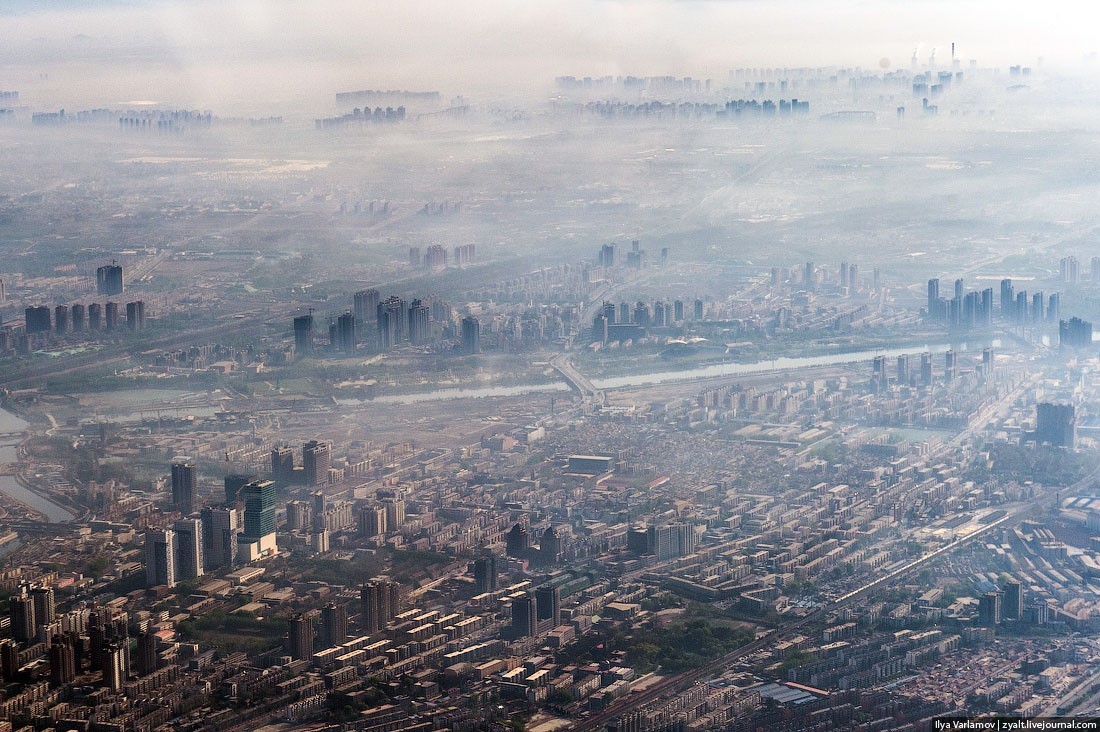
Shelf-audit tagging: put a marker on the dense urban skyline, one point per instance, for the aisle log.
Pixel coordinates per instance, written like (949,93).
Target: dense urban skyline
(249,56)
(631,366)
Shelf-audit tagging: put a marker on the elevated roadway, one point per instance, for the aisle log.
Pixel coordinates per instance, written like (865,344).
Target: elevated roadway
(576,380)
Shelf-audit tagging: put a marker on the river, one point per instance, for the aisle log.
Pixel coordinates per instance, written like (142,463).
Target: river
(444,394)
(778,364)
(660,377)
(9,486)
(10,423)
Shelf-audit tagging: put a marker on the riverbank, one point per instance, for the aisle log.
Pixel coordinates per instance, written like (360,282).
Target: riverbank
(780,364)
(15,488)
(700,373)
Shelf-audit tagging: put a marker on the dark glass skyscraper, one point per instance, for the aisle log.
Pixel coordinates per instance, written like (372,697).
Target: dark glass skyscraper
(301,637)
(419,323)
(334,624)
(160,557)
(315,462)
(1075,333)
(524,619)
(1055,424)
(303,335)
(108,279)
(485,574)
(379,598)
(21,612)
(392,322)
(135,315)
(1012,606)
(44,605)
(189,556)
(110,316)
(366,306)
(219,536)
(259,509)
(517,541)
(234,483)
(345,332)
(183,487)
(933,297)
(548,604)
(1008,299)
(37,319)
(95,316)
(471,335)
(61,319)
(282,465)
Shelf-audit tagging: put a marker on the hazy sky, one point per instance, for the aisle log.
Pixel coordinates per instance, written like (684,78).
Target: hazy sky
(241,52)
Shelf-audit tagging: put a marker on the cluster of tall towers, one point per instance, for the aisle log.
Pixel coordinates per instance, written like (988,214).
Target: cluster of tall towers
(379,606)
(380,324)
(967,310)
(303,637)
(316,461)
(1022,308)
(537,612)
(810,276)
(963,309)
(976,309)
(660,315)
(611,255)
(1069,268)
(219,536)
(79,641)
(906,375)
(109,280)
(435,256)
(77,318)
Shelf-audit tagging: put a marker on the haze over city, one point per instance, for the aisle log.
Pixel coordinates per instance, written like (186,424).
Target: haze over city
(633,366)
(254,54)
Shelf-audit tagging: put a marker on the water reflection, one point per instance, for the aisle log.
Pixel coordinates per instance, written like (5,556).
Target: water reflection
(779,364)
(10,423)
(9,486)
(442,394)
(701,372)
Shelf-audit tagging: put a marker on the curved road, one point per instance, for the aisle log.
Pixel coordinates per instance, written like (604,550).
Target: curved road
(577,381)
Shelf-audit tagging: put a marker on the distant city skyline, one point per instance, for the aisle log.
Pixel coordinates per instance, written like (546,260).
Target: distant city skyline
(253,55)
(604,365)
